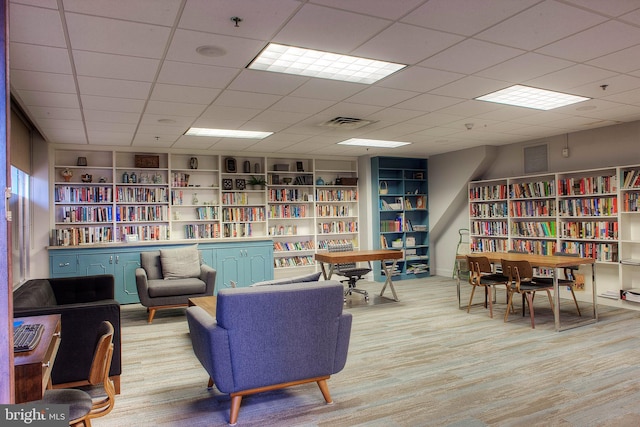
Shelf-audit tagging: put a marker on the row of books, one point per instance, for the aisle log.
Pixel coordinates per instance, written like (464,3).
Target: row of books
(532,208)
(281,230)
(243,214)
(631,179)
(202,231)
(542,247)
(631,202)
(489,228)
(141,213)
(588,185)
(489,210)
(288,195)
(288,211)
(237,230)
(180,179)
(607,252)
(84,214)
(207,212)
(69,194)
(141,195)
(296,261)
(144,232)
(334,210)
(235,199)
(338,227)
(293,246)
(601,230)
(323,244)
(81,235)
(489,192)
(534,228)
(601,206)
(488,245)
(533,189)
(337,195)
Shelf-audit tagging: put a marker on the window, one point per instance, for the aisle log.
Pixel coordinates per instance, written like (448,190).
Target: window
(20,237)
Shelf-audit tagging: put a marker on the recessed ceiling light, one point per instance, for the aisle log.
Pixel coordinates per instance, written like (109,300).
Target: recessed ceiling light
(314,63)
(227,133)
(378,143)
(531,97)
(211,51)
(166,121)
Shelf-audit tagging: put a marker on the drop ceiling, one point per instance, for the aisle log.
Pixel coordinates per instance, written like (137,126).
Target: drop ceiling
(126,72)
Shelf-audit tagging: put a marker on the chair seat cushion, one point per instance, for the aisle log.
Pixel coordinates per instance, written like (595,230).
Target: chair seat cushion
(79,402)
(493,279)
(169,288)
(353,271)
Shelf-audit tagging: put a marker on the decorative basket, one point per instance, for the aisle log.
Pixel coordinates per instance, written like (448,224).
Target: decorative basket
(384,187)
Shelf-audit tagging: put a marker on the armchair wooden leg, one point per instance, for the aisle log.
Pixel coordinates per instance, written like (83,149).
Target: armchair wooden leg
(236,400)
(152,312)
(530,301)
(210,384)
(473,290)
(324,388)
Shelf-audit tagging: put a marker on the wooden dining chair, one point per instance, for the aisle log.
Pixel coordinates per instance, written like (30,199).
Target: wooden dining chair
(521,281)
(481,275)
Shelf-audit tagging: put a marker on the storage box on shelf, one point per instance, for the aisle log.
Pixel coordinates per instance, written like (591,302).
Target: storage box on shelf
(401,216)
(195,195)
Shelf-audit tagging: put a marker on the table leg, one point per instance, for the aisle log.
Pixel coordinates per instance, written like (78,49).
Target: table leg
(556,302)
(324,271)
(388,281)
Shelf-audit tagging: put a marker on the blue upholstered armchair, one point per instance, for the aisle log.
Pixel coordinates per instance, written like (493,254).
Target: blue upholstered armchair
(269,337)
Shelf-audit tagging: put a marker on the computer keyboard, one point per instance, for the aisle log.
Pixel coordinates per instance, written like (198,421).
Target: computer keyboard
(26,337)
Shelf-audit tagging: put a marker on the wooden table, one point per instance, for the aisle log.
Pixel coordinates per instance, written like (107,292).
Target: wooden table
(33,368)
(553,262)
(383,255)
(207,303)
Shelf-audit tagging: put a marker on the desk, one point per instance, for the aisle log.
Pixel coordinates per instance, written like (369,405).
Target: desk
(383,255)
(553,262)
(33,368)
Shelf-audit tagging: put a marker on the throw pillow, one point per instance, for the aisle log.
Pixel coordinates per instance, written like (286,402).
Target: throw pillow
(311,277)
(180,263)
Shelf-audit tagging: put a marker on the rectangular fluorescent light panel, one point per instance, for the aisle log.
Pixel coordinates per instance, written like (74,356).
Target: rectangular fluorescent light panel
(378,143)
(314,63)
(530,97)
(227,133)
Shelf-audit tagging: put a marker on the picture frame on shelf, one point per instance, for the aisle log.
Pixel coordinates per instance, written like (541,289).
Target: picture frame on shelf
(241,184)
(227,184)
(230,165)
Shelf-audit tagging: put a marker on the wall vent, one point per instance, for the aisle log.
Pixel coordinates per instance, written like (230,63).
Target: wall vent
(348,123)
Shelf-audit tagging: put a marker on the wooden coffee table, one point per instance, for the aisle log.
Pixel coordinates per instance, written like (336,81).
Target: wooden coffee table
(207,303)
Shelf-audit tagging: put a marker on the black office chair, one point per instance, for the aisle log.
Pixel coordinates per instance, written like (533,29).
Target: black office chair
(350,270)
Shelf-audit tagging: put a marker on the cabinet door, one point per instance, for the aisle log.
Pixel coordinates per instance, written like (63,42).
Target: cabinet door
(95,264)
(230,265)
(63,265)
(125,277)
(260,264)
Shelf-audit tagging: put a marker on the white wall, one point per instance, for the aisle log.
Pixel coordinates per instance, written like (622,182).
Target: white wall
(603,147)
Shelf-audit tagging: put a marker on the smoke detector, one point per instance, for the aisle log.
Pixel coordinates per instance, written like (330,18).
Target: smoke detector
(347,123)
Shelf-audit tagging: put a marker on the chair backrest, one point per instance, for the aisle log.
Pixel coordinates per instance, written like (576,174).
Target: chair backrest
(150,262)
(517,271)
(342,247)
(481,264)
(567,271)
(101,357)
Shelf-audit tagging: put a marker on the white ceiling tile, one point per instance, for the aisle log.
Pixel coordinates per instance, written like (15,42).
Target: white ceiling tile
(217,123)
(628,97)
(235,98)
(327,89)
(55,113)
(540,25)
(302,105)
(45,82)
(381,96)
(610,7)
(61,124)
(470,87)
(160,12)
(115,66)
(267,82)
(434,119)
(571,77)
(100,126)
(260,19)
(230,113)
(310,28)
(623,61)
(602,39)
(615,84)
(49,4)
(184,74)
(48,99)
(113,36)
(65,136)
(110,138)
(149,140)
(39,58)
(158,129)
(279,117)
(380,8)
(173,123)
(471,56)
(428,103)
(632,17)
(111,116)
(113,88)
(186,94)
(419,79)
(24,19)
(105,103)
(239,52)
(175,108)
(465,17)
(346,109)
(470,108)
(393,115)
(418,44)
(525,67)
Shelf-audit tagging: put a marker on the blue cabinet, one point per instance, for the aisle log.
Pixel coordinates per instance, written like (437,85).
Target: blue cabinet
(243,262)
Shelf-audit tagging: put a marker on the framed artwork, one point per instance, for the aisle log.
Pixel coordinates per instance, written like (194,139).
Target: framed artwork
(230,165)
(299,167)
(227,184)
(240,184)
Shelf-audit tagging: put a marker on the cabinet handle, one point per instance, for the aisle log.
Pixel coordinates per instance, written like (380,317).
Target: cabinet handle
(110,259)
(46,364)
(117,259)
(63,264)
(57,334)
